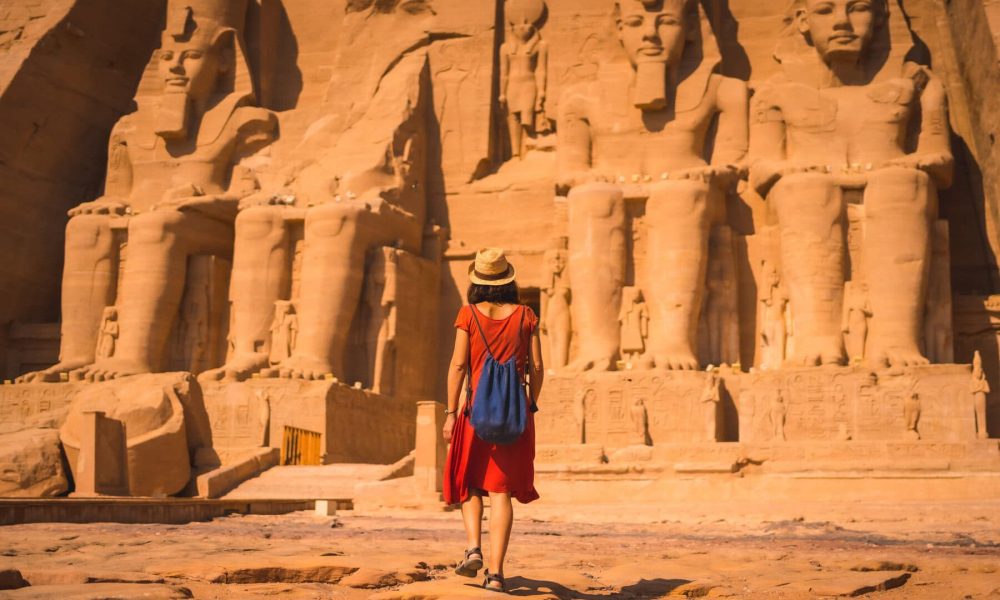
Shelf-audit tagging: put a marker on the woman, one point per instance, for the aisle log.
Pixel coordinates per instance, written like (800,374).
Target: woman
(475,467)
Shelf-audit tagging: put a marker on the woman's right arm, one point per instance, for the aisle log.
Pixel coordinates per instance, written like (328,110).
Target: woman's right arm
(457,373)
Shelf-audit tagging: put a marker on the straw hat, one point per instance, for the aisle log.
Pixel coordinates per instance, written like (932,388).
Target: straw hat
(491,268)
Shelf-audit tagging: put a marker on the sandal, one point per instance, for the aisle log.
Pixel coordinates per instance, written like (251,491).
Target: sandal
(491,579)
(472,563)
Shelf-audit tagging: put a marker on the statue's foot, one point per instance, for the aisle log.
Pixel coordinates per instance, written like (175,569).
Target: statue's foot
(108,369)
(897,356)
(912,434)
(54,373)
(982,434)
(644,362)
(302,367)
(239,368)
(590,363)
(676,359)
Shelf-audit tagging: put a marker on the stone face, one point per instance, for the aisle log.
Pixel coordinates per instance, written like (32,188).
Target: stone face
(294,192)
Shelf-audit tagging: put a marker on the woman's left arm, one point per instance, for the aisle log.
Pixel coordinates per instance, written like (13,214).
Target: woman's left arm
(536,372)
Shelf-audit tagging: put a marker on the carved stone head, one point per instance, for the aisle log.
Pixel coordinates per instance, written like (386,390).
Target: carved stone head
(523,16)
(840,30)
(199,45)
(653,31)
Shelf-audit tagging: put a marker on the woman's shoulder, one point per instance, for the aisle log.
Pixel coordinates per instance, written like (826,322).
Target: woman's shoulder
(463,317)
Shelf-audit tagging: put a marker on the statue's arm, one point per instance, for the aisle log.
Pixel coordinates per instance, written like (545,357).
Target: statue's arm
(934,143)
(542,74)
(504,73)
(732,138)
(117,180)
(767,140)
(574,159)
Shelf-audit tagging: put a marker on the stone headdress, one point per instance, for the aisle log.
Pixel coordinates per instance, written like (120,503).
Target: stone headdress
(892,47)
(206,21)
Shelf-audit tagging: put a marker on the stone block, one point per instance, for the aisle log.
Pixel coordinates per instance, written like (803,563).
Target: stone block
(431,451)
(101,467)
(31,465)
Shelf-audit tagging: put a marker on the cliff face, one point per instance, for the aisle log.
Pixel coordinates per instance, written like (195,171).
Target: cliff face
(68,72)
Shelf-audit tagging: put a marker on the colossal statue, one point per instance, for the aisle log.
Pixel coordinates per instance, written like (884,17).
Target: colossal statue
(848,123)
(356,184)
(173,174)
(642,134)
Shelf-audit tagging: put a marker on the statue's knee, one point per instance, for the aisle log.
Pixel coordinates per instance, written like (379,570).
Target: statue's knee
(154,227)
(896,187)
(678,198)
(803,183)
(596,200)
(87,231)
(333,219)
(258,222)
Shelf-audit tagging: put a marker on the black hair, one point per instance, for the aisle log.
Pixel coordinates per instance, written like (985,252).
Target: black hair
(497,294)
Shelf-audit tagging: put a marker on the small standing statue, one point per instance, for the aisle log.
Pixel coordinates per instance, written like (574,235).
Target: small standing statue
(774,332)
(580,412)
(284,330)
(779,411)
(711,396)
(109,333)
(979,388)
(857,312)
(911,411)
(524,72)
(381,297)
(556,313)
(634,320)
(640,420)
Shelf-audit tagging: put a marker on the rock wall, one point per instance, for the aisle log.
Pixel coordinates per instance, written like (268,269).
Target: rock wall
(68,72)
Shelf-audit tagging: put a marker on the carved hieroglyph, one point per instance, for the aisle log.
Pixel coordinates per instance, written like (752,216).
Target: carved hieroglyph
(837,126)
(639,133)
(173,182)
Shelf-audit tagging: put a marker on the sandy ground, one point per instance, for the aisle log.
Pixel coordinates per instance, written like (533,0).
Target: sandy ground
(886,551)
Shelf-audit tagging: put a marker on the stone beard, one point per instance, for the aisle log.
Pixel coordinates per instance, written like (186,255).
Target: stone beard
(641,135)
(846,131)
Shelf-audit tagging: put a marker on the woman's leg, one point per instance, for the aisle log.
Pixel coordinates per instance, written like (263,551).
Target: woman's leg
(472,513)
(501,521)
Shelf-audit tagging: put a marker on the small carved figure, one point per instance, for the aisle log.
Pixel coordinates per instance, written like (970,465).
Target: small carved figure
(284,331)
(634,321)
(524,72)
(109,333)
(711,396)
(911,412)
(979,388)
(381,296)
(556,323)
(774,332)
(854,325)
(778,413)
(580,399)
(640,419)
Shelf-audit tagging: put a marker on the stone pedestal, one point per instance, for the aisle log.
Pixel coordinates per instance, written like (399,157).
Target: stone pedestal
(354,425)
(101,467)
(853,403)
(428,466)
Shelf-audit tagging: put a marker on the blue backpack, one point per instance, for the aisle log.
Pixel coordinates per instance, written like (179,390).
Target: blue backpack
(499,410)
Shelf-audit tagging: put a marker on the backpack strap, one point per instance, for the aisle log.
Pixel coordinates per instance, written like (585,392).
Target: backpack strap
(479,327)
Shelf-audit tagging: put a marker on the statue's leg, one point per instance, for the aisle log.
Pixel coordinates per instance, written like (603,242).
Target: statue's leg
(337,236)
(596,272)
(261,273)
(810,210)
(559,329)
(88,286)
(159,244)
(516,133)
(677,229)
(899,206)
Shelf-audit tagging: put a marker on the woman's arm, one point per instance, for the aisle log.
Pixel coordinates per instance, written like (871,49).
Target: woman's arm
(457,373)
(536,373)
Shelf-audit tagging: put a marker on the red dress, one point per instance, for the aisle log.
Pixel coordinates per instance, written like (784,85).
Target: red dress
(473,463)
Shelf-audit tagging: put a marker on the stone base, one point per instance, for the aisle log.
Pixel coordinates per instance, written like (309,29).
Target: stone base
(853,403)
(355,426)
(626,408)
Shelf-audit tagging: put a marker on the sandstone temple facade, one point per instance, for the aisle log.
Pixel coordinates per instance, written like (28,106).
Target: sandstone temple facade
(762,237)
